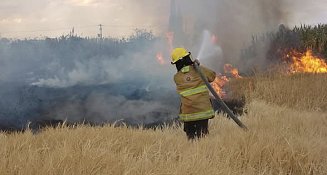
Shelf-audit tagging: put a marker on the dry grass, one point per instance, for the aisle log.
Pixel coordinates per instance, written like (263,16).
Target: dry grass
(281,140)
(299,91)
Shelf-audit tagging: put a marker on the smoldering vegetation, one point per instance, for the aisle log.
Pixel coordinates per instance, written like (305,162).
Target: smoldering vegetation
(85,80)
(119,80)
(235,22)
(274,46)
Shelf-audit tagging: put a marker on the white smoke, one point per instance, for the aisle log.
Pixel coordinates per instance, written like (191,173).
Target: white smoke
(131,66)
(79,79)
(31,69)
(234,22)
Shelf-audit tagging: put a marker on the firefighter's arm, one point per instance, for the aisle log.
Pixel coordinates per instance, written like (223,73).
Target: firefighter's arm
(210,74)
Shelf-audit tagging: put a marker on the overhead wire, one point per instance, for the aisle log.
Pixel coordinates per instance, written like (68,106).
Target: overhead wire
(77,27)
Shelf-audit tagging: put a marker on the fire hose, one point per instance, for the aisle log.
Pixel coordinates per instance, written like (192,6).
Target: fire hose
(220,101)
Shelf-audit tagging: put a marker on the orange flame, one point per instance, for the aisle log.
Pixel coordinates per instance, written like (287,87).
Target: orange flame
(218,85)
(306,63)
(229,69)
(170,40)
(221,80)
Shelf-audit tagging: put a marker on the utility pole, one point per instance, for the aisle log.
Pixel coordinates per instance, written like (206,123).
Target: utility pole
(100,39)
(72,32)
(100,31)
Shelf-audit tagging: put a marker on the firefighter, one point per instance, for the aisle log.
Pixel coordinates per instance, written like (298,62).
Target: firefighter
(195,108)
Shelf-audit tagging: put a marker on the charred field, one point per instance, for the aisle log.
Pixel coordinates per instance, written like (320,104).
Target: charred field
(80,80)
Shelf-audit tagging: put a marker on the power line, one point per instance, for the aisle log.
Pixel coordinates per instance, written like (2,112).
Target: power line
(44,30)
(70,31)
(129,26)
(77,27)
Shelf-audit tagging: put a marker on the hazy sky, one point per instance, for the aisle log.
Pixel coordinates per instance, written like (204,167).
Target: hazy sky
(21,18)
(32,18)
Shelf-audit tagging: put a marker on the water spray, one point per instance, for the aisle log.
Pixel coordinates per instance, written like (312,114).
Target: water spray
(208,49)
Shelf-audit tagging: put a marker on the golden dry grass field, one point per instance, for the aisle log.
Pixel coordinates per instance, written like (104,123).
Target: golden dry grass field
(286,117)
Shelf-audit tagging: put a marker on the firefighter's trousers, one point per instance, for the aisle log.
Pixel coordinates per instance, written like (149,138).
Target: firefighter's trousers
(196,129)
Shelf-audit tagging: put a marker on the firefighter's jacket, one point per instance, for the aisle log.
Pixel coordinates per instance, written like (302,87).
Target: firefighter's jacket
(195,100)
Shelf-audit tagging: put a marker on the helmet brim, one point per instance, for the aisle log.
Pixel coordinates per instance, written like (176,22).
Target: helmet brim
(174,62)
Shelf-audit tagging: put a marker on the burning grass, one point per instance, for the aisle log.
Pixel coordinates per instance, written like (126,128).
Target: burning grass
(281,140)
(305,62)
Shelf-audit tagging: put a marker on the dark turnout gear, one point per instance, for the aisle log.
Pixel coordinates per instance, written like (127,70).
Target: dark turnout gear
(195,109)
(195,100)
(196,129)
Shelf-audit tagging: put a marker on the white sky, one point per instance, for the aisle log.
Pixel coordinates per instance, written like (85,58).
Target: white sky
(37,18)
(20,18)
(308,12)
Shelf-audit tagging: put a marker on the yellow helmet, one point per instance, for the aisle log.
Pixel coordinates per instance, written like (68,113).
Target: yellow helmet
(177,54)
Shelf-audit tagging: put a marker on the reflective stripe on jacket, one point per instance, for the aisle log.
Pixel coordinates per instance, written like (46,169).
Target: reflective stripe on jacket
(197,116)
(195,100)
(193,91)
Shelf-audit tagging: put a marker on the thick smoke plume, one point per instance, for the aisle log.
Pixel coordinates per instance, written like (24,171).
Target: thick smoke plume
(77,79)
(234,22)
(85,80)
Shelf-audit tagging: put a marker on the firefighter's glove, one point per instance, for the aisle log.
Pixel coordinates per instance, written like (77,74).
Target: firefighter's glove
(196,61)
